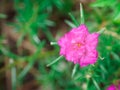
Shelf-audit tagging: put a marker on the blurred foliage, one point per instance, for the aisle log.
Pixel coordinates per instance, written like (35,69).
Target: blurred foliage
(34,19)
(2,15)
(114,6)
(33,16)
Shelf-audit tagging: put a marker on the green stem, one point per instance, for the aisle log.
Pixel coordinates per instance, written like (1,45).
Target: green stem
(81,14)
(101,31)
(53,43)
(88,80)
(74,70)
(70,24)
(25,70)
(13,76)
(56,60)
(74,20)
(96,84)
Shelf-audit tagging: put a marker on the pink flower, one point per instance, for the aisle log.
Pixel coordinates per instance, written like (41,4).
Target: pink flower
(79,46)
(111,87)
(114,86)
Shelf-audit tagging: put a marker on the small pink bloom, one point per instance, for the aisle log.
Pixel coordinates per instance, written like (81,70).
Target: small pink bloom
(111,87)
(79,46)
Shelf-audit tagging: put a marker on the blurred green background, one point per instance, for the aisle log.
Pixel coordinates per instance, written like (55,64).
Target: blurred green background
(28,26)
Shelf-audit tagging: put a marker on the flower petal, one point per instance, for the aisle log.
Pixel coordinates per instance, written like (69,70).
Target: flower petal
(92,41)
(111,87)
(89,58)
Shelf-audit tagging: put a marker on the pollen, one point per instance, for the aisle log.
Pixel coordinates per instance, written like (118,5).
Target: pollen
(76,46)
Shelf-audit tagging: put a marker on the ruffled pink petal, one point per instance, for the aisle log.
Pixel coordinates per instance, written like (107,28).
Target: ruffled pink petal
(92,41)
(92,54)
(89,58)
(62,51)
(111,87)
(80,33)
(82,29)
(62,41)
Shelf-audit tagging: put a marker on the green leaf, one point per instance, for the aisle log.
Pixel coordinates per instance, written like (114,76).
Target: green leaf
(101,31)
(70,24)
(103,3)
(53,43)
(13,76)
(74,20)
(3,16)
(21,39)
(96,84)
(116,14)
(115,56)
(25,70)
(56,60)
(9,54)
(103,69)
(74,70)
(58,4)
(81,14)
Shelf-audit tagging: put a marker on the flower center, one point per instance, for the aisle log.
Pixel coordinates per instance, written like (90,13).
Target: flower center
(76,46)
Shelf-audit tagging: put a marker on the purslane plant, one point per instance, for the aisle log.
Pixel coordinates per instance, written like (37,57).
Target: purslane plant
(79,46)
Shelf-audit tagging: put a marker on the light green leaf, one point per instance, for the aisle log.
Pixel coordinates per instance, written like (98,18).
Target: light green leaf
(96,84)
(74,70)
(103,3)
(56,60)
(70,24)
(74,20)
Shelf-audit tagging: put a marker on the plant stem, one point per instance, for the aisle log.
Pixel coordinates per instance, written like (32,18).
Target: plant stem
(53,43)
(74,20)
(81,14)
(13,75)
(56,60)
(96,84)
(74,70)
(101,31)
